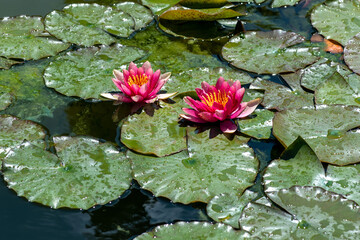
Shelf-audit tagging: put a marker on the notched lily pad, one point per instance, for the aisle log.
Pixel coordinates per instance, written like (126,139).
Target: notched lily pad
(259,125)
(268,52)
(87,72)
(82,174)
(210,167)
(25,38)
(352,52)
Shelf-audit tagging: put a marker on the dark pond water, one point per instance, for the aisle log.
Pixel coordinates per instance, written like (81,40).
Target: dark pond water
(138,210)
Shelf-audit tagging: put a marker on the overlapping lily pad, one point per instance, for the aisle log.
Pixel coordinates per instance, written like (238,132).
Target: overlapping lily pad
(194,230)
(7,63)
(5,99)
(259,126)
(159,134)
(268,52)
(25,38)
(141,15)
(320,128)
(210,167)
(87,73)
(158,6)
(351,52)
(82,174)
(275,3)
(338,20)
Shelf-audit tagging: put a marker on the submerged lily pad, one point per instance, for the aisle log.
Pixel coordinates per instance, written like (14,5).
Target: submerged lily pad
(210,167)
(25,38)
(226,208)
(82,174)
(320,128)
(87,72)
(351,52)
(259,126)
(159,134)
(7,63)
(194,230)
(268,52)
(338,20)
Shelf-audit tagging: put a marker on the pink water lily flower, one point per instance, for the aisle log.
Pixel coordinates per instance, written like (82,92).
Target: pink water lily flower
(221,102)
(139,85)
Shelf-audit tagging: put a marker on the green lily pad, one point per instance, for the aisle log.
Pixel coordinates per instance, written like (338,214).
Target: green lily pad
(194,230)
(7,63)
(158,6)
(351,52)
(332,215)
(185,82)
(200,4)
(160,134)
(5,99)
(25,38)
(210,167)
(338,20)
(13,131)
(268,52)
(280,97)
(282,3)
(305,169)
(87,73)
(211,14)
(226,208)
(82,174)
(259,126)
(141,15)
(320,128)
(336,90)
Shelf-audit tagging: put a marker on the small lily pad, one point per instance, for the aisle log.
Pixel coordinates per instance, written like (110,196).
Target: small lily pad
(282,3)
(194,230)
(268,52)
(351,52)
(82,174)
(159,134)
(25,38)
(7,63)
(87,73)
(338,20)
(210,167)
(227,208)
(259,126)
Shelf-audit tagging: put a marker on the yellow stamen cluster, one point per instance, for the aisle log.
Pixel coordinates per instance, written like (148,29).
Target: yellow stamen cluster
(138,80)
(219,97)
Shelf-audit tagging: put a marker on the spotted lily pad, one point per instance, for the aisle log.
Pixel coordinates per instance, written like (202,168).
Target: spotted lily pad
(227,208)
(210,167)
(87,73)
(82,174)
(275,3)
(158,6)
(268,52)
(351,52)
(280,97)
(320,128)
(338,20)
(194,230)
(259,125)
(7,63)
(25,38)
(159,134)
(5,99)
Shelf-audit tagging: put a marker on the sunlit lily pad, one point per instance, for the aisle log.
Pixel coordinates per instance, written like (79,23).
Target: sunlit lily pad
(352,52)
(268,52)
(280,97)
(7,63)
(82,174)
(338,20)
(210,167)
(259,125)
(187,81)
(25,38)
(5,99)
(159,134)
(275,3)
(141,15)
(194,230)
(87,72)
(13,131)
(226,208)
(320,128)
(158,6)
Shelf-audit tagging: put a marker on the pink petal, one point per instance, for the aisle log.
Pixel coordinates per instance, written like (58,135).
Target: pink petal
(165,76)
(166,95)
(140,71)
(237,112)
(125,89)
(228,126)
(137,98)
(250,107)
(154,79)
(237,84)
(205,86)
(123,98)
(143,89)
(225,87)
(190,112)
(207,117)
(220,114)
(135,89)
(192,119)
(151,100)
(118,75)
(149,73)
(117,83)
(198,106)
(239,94)
(146,66)
(217,106)
(126,74)
(132,66)
(219,82)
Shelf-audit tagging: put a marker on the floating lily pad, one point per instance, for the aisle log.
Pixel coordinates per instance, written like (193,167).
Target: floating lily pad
(186,81)
(24,37)
(203,3)
(282,3)
(194,230)
(305,169)
(211,167)
(227,208)
(5,99)
(82,174)
(158,6)
(87,72)
(320,128)
(280,97)
(332,215)
(159,134)
(259,126)
(268,52)
(337,20)
(7,63)
(141,15)
(351,52)
(13,131)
